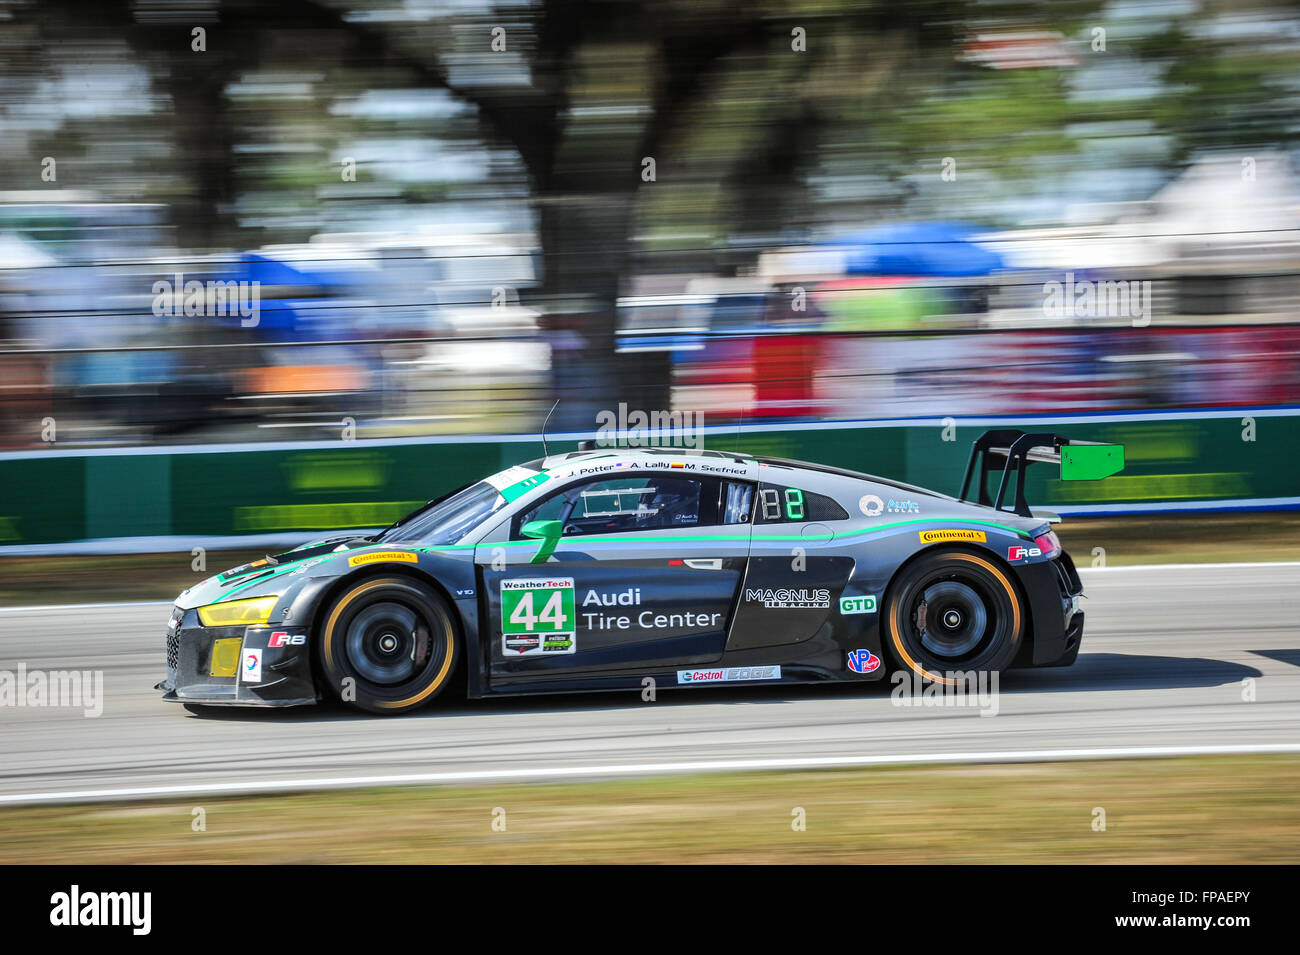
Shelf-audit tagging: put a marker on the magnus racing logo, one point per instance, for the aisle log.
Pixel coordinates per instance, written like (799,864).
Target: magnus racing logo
(786,599)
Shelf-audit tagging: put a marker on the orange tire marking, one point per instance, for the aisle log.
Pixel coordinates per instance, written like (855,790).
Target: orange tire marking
(897,639)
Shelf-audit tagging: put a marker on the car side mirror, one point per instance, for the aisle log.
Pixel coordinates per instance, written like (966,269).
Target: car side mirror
(542,530)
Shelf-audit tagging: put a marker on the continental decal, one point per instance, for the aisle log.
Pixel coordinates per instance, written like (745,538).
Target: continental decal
(383,555)
(953,535)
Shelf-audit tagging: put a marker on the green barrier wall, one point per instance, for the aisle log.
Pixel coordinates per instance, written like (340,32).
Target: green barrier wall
(58,496)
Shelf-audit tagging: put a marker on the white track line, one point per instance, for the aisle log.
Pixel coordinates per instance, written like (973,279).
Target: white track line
(544,773)
(1229,565)
(101,606)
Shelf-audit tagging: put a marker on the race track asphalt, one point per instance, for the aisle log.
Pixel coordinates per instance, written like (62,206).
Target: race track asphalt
(1165,654)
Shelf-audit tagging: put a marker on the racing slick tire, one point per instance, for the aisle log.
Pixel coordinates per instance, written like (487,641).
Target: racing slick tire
(953,612)
(387,645)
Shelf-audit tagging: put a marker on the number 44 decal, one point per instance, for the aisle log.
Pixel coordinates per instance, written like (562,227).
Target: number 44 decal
(537,616)
(552,614)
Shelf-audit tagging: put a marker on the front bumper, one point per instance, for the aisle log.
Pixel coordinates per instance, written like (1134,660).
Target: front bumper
(272,664)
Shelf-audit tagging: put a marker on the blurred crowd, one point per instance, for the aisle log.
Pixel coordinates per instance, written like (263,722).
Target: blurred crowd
(229,223)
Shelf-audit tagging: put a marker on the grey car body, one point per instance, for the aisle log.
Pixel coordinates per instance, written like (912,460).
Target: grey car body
(674,566)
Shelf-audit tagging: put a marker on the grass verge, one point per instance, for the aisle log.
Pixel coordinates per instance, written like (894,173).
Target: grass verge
(1186,810)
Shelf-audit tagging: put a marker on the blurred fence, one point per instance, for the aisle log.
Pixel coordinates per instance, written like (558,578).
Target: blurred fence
(219,392)
(974,371)
(178,498)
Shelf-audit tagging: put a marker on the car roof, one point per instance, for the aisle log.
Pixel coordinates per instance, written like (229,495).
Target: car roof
(856,475)
(648,455)
(651,455)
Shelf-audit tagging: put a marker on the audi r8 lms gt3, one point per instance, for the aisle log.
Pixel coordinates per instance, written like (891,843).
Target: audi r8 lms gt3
(596,569)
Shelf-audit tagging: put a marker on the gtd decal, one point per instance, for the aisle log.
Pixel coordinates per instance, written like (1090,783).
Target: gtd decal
(863,661)
(281,638)
(1016,552)
(864,604)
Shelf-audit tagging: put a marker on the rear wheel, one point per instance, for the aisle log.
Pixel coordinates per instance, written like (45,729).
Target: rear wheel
(387,645)
(953,612)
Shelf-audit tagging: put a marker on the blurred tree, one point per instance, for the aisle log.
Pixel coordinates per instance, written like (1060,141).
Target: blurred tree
(747,110)
(1222,88)
(715,96)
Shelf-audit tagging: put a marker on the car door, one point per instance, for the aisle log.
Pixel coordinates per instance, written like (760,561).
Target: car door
(645,575)
(796,571)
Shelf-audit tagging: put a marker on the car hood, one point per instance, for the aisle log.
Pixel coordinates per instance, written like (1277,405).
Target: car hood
(254,579)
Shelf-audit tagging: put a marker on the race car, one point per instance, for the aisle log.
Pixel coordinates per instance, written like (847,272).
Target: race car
(622,568)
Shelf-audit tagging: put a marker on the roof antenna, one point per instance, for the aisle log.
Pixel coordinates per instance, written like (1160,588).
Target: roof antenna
(546,452)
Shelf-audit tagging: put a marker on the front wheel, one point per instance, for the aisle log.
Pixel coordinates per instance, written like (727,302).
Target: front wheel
(953,612)
(387,645)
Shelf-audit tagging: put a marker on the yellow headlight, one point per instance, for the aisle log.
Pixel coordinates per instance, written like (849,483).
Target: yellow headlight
(238,613)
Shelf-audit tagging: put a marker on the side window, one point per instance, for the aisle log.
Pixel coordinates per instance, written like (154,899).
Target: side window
(737,502)
(778,504)
(636,503)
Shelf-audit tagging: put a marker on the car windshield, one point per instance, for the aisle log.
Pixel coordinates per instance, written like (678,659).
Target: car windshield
(447,521)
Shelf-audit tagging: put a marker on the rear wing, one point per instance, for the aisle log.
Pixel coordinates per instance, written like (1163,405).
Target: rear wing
(1009,453)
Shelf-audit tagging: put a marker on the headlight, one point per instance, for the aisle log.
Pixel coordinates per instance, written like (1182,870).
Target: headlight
(238,612)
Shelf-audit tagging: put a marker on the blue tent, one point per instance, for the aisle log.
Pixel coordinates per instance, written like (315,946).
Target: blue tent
(919,248)
(307,290)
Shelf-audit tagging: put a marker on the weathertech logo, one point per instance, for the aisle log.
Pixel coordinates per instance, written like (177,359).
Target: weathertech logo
(953,535)
(729,675)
